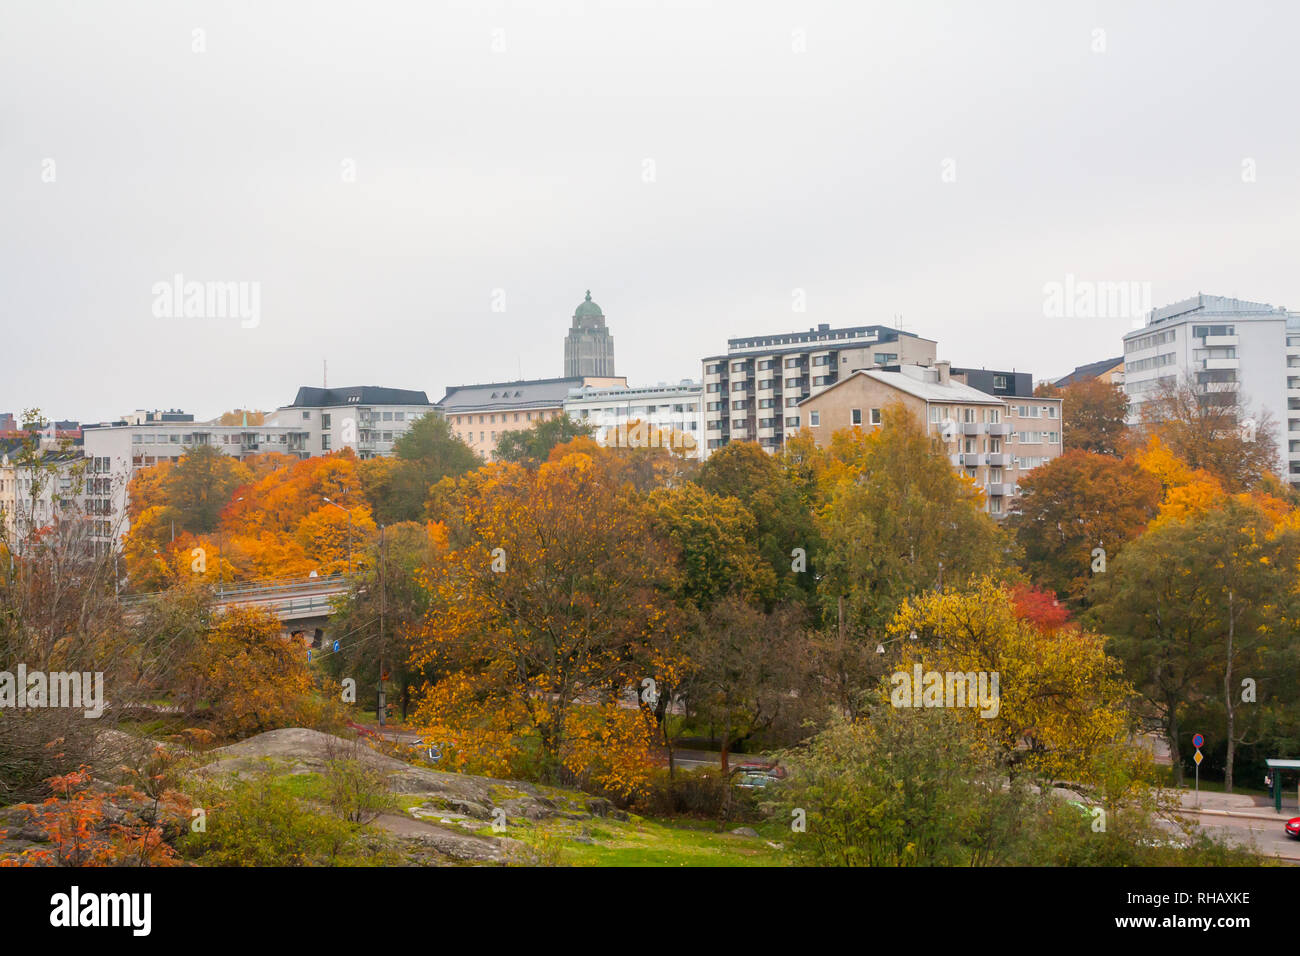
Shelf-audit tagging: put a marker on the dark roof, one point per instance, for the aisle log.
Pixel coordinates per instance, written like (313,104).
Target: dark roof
(309,397)
(1091,370)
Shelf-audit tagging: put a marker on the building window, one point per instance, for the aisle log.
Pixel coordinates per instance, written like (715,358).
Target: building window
(875,416)
(999,381)
(324,419)
(815,419)
(306,416)
(856,416)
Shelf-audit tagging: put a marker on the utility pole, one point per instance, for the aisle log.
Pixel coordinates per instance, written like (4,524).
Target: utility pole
(383,600)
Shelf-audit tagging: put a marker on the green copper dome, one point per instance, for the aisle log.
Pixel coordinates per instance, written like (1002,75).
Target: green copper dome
(588,309)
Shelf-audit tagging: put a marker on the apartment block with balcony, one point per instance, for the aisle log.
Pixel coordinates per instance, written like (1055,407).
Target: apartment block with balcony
(994,441)
(753,391)
(1233,352)
(369,419)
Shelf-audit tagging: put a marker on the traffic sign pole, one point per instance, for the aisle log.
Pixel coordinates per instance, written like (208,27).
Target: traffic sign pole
(1198,741)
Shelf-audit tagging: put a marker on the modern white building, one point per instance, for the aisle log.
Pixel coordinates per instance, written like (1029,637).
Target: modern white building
(1233,351)
(610,409)
(369,419)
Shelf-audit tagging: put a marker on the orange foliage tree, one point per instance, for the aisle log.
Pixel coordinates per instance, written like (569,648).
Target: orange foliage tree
(553,602)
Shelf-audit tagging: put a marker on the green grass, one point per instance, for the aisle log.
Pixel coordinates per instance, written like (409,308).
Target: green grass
(644,841)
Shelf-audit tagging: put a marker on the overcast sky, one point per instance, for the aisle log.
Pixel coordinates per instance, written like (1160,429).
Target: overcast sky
(387,172)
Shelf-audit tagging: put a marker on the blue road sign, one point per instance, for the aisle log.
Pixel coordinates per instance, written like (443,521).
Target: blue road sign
(1198,741)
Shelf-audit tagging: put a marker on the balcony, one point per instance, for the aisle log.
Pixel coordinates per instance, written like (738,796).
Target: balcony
(971,459)
(1217,363)
(999,489)
(999,460)
(1212,341)
(974,428)
(1000,428)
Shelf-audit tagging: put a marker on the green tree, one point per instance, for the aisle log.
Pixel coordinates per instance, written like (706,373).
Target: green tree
(398,487)
(908,787)
(534,443)
(1195,606)
(772,491)
(897,520)
(199,487)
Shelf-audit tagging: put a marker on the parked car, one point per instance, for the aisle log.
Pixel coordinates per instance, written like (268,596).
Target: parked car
(1293,828)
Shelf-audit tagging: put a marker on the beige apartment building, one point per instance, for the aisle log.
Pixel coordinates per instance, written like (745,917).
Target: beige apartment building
(480,414)
(993,440)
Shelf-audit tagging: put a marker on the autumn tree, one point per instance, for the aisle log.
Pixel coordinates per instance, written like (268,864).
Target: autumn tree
(1074,504)
(253,679)
(555,594)
(1094,413)
(242,416)
(1060,698)
(1214,431)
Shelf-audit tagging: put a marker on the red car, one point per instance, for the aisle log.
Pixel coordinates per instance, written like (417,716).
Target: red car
(1293,827)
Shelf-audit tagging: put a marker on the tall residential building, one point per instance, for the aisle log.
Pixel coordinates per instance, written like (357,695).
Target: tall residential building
(752,392)
(480,414)
(369,419)
(588,348)
(992,439)
(1232,352)
(609,409)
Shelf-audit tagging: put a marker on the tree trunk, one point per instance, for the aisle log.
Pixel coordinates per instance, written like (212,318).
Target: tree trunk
(1229,710)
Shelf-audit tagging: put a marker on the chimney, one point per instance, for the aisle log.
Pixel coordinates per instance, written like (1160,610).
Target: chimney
(944,368)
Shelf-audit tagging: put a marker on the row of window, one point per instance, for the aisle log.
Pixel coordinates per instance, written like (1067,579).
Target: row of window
(1156,361)
(1150,341)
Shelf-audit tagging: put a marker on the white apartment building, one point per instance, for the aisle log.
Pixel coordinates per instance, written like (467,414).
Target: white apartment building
(1234,351)
(115,451)
(752,392)
(369,419)
(33,496)
(609,409)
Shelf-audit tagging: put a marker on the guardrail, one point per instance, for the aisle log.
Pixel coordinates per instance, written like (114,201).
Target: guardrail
(334,584)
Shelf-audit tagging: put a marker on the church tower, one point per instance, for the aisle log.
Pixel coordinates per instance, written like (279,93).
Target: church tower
(588,348)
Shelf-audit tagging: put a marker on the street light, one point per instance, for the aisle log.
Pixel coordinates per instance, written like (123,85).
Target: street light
(349,514)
